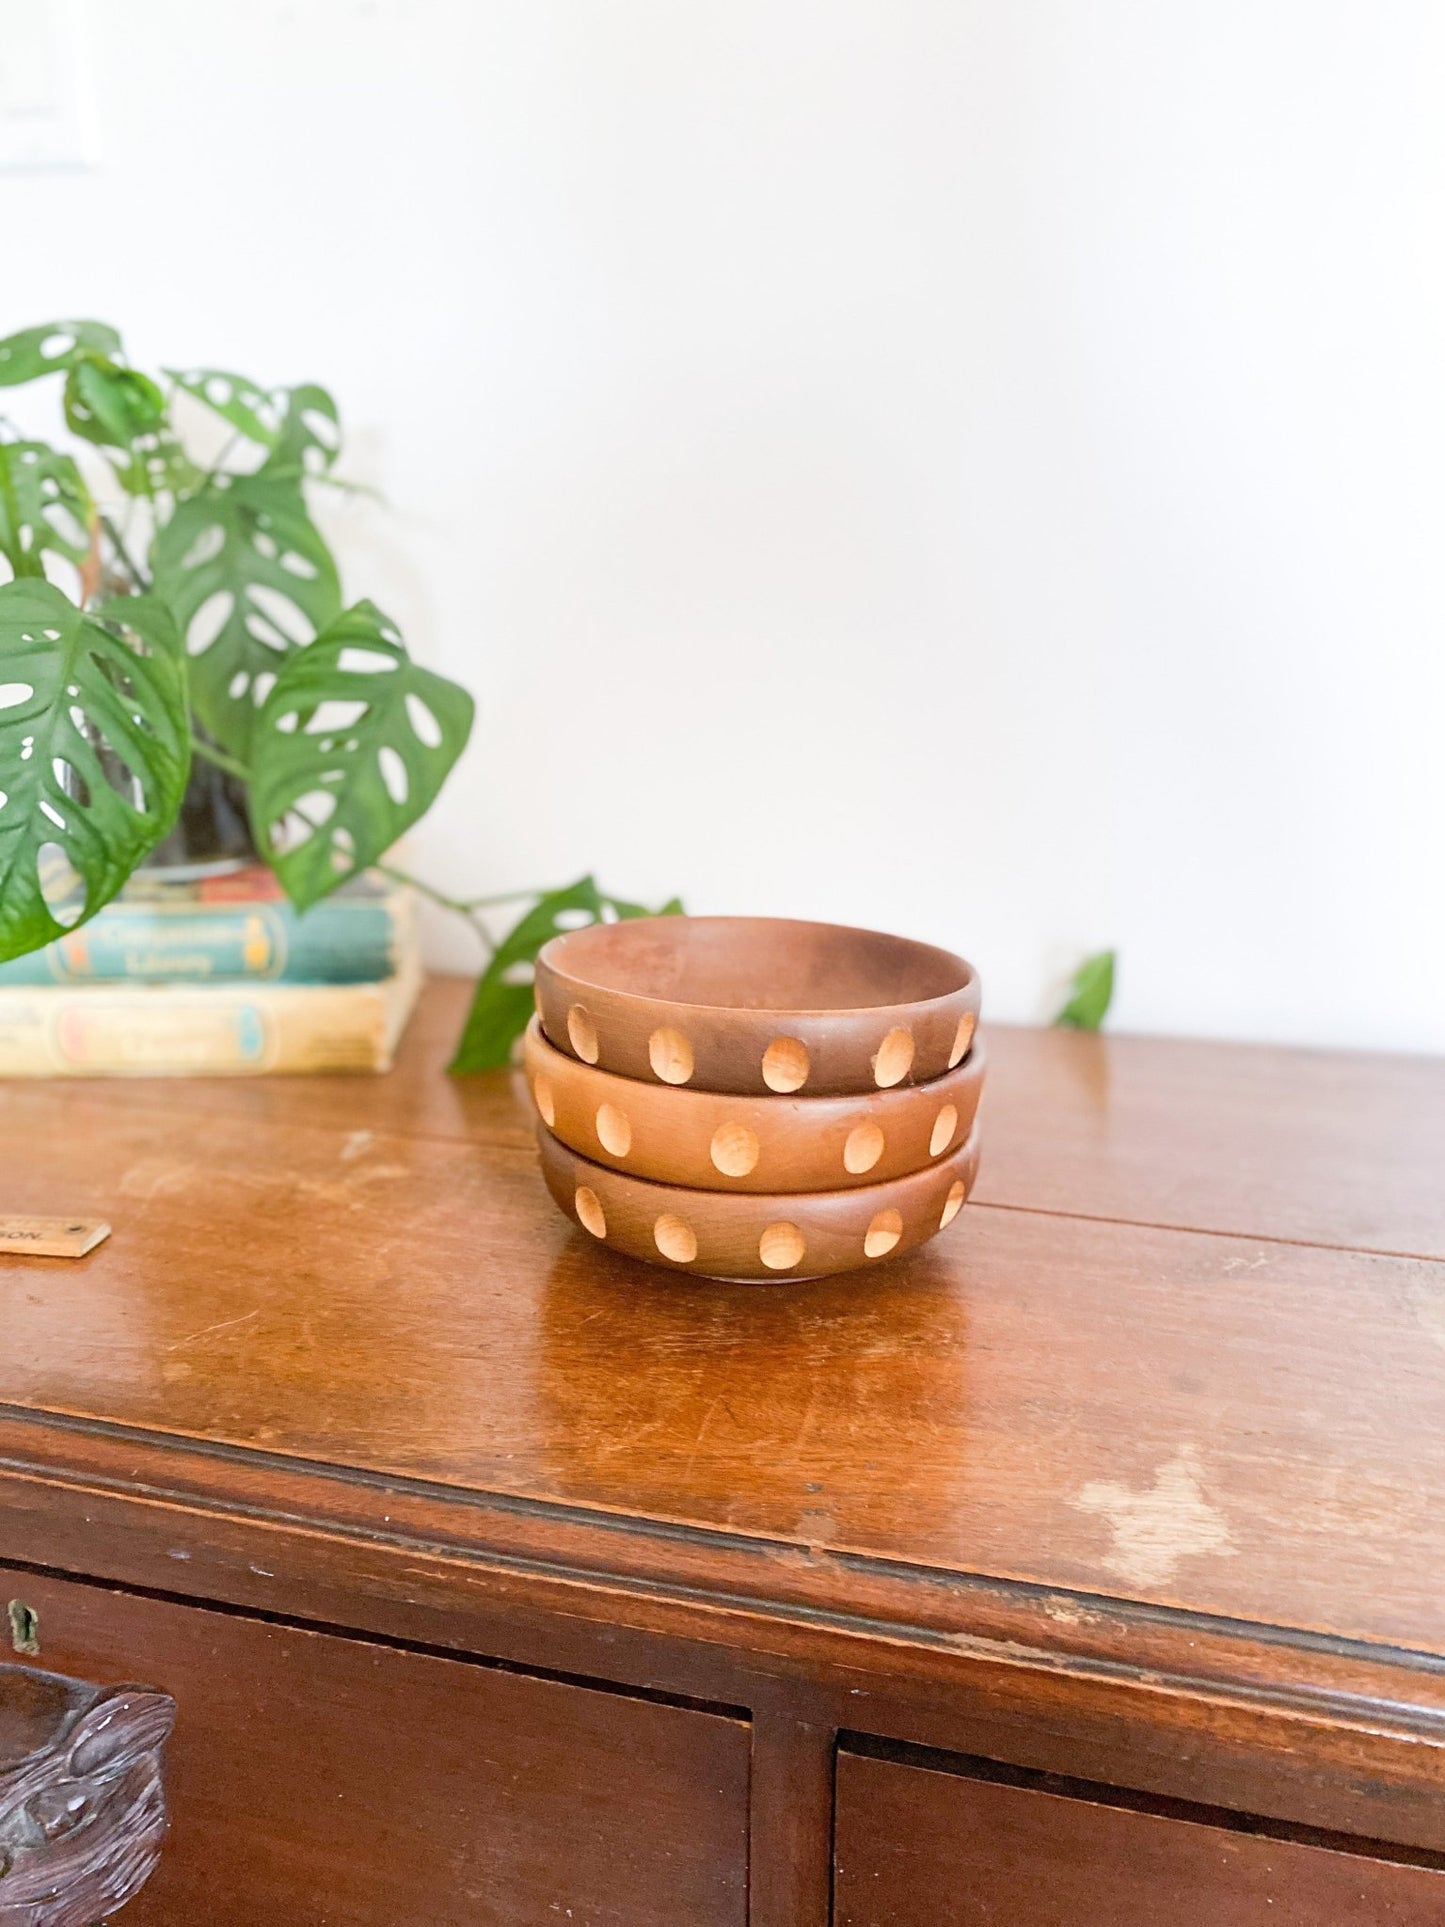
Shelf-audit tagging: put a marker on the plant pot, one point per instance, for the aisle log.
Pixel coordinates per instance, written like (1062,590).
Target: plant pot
(211,834)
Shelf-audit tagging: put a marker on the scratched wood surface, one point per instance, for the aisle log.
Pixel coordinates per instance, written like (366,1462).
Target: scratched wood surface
(1324,1147)
(370,1274)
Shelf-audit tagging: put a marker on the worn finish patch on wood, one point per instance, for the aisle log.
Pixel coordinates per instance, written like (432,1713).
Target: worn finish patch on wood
(1136,1481)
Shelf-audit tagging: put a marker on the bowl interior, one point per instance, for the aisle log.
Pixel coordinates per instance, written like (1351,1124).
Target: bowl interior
(756,963)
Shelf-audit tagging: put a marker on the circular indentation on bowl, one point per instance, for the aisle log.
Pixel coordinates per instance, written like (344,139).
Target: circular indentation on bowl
(734,1150)
(583,1033)
(962,1038)
(894,1060)
(863,1149)
(883,1232)
(781,1247)
(952,1204)
(785,1065)
(590,1214)
(546,1103)
(944,1126)
(614,1132)
(675,1238)
(670,1055)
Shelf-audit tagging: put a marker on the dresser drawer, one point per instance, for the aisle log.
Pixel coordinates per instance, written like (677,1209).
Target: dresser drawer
(917,1845)
(314,1778)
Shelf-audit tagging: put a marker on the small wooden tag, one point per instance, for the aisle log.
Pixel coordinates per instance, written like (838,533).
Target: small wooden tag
(52,1237)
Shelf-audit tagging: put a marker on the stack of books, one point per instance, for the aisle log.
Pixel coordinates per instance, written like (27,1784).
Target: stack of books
(213,976)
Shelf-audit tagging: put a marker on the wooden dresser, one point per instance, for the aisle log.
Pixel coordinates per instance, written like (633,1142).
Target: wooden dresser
(1086,1568)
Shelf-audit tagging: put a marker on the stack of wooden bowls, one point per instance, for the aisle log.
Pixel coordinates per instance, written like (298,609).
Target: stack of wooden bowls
(751,1098)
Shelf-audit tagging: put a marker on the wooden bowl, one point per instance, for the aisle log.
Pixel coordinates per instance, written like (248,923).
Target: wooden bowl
(711,1141)
(720,1234)
(756,1004)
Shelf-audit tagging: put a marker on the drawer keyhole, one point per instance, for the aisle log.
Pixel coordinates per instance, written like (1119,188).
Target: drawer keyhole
(24,1628)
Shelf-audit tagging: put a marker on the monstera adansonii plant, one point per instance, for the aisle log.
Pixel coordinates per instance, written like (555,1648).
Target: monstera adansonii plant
(160,608)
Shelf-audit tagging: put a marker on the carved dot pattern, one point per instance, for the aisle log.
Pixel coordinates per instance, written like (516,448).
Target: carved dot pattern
(944,1126)
(781,1247)
(952,1204)
(590,1214)
(863,1149)
(614,1132)
(785,1064)
(962,1038)
(894,1060)
(546,1103)
(670,1055)
(734,1150)
(675,1238)
(583,1033)
(883,1233)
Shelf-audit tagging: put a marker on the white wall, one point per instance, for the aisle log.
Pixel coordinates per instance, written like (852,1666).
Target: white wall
(970,466)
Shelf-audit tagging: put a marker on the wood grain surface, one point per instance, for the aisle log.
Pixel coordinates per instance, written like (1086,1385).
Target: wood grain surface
(1213,1423)
(316,1779)
(1323,1147)
(1253,1141)
(1136,1477)
(915,1845)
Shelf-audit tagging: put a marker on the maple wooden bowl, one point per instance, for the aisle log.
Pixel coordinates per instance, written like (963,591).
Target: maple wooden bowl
(752,1236)
(714,1141)
(756,1004)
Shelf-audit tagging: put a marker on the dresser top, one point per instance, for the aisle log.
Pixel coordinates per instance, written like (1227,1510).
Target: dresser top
(1186,1348)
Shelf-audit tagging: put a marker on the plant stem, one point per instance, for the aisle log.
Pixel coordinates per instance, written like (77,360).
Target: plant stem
(460,906)
(137,576)
(464,906)
(208,476)
(219,757)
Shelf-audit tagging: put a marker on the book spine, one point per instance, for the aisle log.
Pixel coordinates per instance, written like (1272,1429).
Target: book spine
(202,1031)
(338,943)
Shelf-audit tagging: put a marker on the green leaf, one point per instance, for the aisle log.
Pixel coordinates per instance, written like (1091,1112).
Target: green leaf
(124,412)
(250,409)
(53,346)
(1091,993)
(310,435)
(351,747)
(622,911)
(249,578)
(502,1007)
(110,405)
(44,507)
(298,427)
(158,465)
(94,748)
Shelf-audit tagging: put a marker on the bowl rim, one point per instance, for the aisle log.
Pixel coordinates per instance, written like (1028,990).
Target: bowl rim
(547,957)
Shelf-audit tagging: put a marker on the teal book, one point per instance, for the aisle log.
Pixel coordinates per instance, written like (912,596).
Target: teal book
(232,929)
